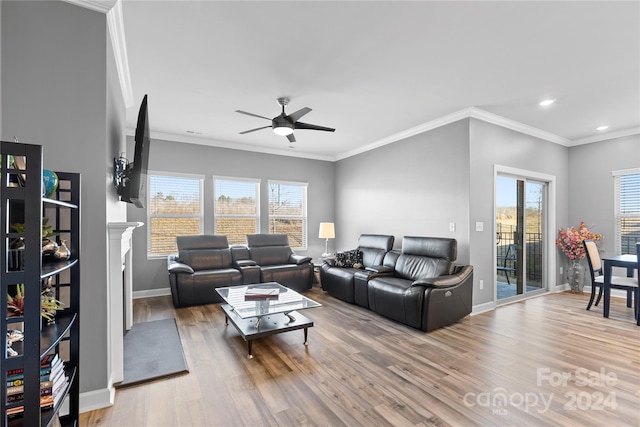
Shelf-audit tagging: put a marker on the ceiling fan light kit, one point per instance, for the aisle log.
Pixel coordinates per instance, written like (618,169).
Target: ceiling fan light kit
(284,124)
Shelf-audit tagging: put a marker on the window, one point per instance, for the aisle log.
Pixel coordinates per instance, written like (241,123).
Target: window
(236,205)
(627,210)
(288,211)
(175,209)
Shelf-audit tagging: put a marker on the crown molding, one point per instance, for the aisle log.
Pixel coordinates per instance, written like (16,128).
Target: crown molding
(606,136)
(165,136)
(470,112)
(102,6)
(433,124)
(495,119)
(115,22)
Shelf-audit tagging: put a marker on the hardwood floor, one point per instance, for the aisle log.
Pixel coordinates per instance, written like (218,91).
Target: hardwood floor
(544,361)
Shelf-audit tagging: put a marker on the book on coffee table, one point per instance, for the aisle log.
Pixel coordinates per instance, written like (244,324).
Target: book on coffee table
(261,293)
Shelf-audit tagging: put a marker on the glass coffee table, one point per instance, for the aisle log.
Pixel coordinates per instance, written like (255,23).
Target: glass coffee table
(265,309)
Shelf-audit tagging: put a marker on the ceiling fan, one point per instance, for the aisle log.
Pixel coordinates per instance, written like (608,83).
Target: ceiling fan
(284,124)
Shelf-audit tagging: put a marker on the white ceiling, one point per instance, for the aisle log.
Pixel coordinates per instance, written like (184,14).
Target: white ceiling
(375,69)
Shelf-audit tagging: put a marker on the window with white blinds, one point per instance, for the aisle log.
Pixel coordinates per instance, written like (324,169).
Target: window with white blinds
(236,208)
(175,209)
(288,211)
(627,210)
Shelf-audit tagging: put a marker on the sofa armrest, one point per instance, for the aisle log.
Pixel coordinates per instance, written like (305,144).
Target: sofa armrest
(380,269)
(299,259)
(446,281)
(178,267)
(244,263)
(330,261)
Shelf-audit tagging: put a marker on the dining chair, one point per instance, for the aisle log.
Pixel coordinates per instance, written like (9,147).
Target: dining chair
(508,264)
(629,284)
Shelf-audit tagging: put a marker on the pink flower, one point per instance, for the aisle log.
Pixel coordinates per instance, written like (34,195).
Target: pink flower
(570,240)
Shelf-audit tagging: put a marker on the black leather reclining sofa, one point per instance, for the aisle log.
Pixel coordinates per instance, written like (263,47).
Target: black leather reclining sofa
(206,262)
(419,286)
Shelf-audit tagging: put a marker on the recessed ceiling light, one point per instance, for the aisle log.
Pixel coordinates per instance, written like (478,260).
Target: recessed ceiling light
(546,102)
(603,127)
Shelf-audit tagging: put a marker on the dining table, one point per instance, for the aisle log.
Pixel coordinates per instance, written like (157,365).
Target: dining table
(628,261)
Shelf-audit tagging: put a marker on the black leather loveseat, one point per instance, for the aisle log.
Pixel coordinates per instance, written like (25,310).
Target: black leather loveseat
(338,280)
(202,264)
(206,262)
(420,285)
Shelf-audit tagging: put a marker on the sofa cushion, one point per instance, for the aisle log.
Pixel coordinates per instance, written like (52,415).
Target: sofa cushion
(271,255)
(374,247)
(349,259)
(204,252)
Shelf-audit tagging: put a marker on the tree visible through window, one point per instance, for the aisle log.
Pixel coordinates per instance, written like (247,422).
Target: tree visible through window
(175,209)
(288,211)
(627,210)
(236,206)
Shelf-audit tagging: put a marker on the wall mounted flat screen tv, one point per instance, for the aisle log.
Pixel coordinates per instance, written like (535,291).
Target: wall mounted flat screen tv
(133,187)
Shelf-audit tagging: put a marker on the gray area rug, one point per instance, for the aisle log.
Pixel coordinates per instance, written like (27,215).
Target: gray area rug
(152,350)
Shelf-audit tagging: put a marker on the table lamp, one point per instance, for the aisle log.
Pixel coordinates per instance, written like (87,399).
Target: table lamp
(327,231)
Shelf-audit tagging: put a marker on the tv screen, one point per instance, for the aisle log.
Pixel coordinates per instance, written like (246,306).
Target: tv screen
(134,188)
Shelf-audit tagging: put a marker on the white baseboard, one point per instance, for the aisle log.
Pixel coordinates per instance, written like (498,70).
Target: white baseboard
(97,399)
(483,308)
(152,293)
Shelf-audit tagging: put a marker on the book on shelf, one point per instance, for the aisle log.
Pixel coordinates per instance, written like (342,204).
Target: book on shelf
(47,372)
(45,365)
(261,293)
(46,402)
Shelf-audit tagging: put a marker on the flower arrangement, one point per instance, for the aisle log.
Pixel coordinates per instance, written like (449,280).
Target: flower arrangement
(570,240)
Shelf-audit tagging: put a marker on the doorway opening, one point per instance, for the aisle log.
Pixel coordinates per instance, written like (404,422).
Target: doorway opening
(521,235)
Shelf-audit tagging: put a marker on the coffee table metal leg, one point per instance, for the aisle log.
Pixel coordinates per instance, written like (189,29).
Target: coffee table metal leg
(249,345)
(290,316)
(305,336)
(226,321)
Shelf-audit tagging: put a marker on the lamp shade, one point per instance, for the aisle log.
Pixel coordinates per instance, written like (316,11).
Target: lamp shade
(327,230)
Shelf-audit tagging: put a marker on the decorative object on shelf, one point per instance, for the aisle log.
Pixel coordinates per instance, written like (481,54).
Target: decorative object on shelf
(48,304)
(15,303)
(570,242)
(48,307)
(327,231)
(63,253)
(50,182)
(49,247)
(13,335)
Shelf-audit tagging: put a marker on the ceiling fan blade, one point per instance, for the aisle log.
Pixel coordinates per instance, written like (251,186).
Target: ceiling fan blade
(301,112)
(291,138)
(253,130)
(251,114)
(300,125)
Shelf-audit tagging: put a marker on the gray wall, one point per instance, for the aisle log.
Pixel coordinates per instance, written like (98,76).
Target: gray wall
(168,156)
(413,187)
(591,189)
(58,91)
(494,145)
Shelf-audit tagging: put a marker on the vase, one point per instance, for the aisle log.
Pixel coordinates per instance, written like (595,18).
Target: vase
(576,276)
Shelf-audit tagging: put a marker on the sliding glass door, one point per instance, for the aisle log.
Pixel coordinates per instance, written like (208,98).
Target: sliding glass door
(520,230)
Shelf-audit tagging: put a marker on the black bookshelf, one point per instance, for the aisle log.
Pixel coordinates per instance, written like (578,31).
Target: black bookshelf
(22,202)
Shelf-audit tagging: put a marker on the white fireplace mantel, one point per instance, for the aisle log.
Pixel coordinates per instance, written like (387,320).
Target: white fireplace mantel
(120,293)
